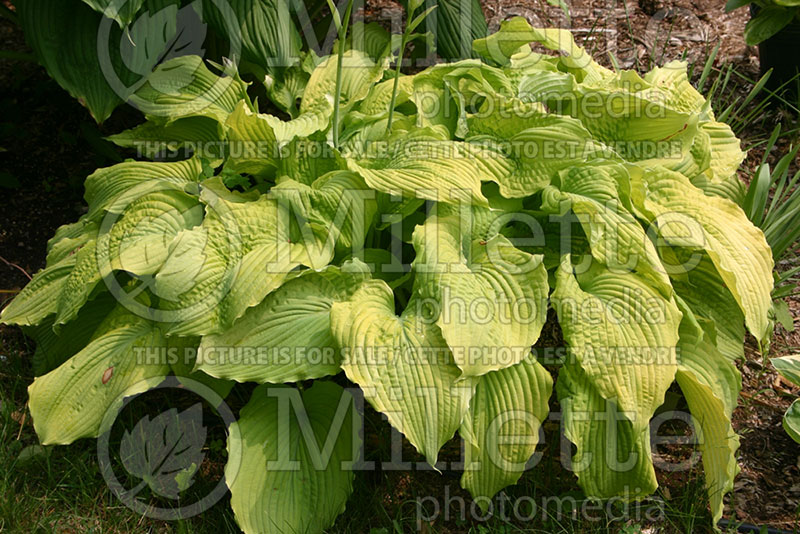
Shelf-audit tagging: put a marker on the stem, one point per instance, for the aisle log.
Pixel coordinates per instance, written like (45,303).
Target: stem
(396,80)
(339,65)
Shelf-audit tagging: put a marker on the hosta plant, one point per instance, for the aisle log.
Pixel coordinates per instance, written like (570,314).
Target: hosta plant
(421,256)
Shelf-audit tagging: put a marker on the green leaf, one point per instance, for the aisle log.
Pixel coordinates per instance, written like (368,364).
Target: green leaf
(687,217)
(458,24)
(769,21)
(72,401)
(294,472)
(122,12)
(64,36)
(791,421)
(501,429)
(403,366)
(788,366)
(491,297)
(264,30)
(287,337)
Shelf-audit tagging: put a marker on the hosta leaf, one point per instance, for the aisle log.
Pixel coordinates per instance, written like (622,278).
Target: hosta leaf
(788,366)
(122,12)
(769,21)
(532,146)
(256,139)
(501,429)
(288,336)
(408,163)
(491,297)
(61,289)
(615,237)
(711,384)
(444,93)
(359,74)
(113,188)
(54,348)
(185,87)
(621,335)
(613,453)
(338,207)
(72,401)
(628,354)
(702,289)
(403,366)
(196,135)
(517,32)
(64,36)
(264,30)
(138,242)
(295,471)
(241,252)
(458,23)
(687,217)
(370,38)
(726,154)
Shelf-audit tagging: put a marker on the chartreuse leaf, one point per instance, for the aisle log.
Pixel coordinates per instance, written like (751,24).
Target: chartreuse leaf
(403,365)
(54,348)
(185,87)
(201,135)
(613,453)
(287,337)
(444,93)
(256,139)
(625,360)
(61,289)
(501,429)
(517,33)
(615,237)
(338,207)
(687,217)
(113,188)
(359,74)
(72,401)
(531,145)
(711,384)
(491,297)
(701,288)
(295,472)
(408,162)
(139,241)
(242,251)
